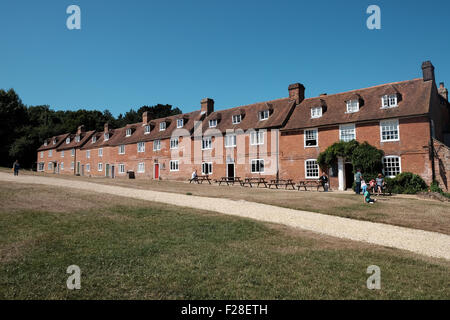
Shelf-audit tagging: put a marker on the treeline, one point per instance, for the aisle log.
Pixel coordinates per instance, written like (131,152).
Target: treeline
(23,128)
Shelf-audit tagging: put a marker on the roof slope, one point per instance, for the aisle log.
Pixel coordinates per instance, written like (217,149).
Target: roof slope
(50,145)
(84,136)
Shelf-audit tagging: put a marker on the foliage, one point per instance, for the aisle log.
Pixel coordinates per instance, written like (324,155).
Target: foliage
(406,182)
(23,129)
(435,188)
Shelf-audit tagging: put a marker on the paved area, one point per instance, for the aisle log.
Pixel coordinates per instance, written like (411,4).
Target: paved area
(422,242)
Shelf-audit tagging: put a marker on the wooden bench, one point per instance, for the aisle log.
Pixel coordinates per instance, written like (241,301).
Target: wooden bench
(228,180)
(200,179)
(256,181)
(308,183)
(281,182)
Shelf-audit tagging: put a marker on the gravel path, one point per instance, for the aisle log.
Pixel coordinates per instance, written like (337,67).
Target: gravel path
(423,242)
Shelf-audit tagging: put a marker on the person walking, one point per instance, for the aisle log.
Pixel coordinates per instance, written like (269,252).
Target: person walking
(324,181)
(358,178)
(16,167)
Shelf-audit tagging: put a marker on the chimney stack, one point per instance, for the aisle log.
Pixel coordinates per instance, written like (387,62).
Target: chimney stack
(443,91)
(145,117)
(428,71)
(207,106)
(106,127)
(80,130)
(297,92)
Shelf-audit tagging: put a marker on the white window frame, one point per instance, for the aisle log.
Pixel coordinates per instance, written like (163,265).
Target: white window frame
(384,123)
(209,166)
(389,101)
(306,169)
(230,140)
(67,140)
(41,166)
(50,166)
(106,136)
(236,119)
(156,145)
(88,154)
(61,166)
(54,141)
(141,167)
(94,139)
(141,147)
(42,154)
(316,112)
(343,127)
(256,138)
(352,106)
(77,138)
(62,153)
(121,149)
(212,123)
(207,143)
(72,165)
(128,132)
(50,153)
(162,126)
(174,143)
(100,167)
(305,135)
(45,143)
(180,123)
(147,129)
(399,165)
(121,168)
(256,161)
(174,165)
(88,167)
(264,115)
(72,152)
(100,152)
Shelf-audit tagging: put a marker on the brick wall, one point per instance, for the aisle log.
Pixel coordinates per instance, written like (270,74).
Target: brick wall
(442,164)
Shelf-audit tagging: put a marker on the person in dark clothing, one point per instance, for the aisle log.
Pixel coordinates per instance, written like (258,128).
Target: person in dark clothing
(16,167)
(324,181)
(358,178)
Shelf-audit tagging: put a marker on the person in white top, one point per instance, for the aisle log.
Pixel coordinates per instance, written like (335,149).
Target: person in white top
(194,175)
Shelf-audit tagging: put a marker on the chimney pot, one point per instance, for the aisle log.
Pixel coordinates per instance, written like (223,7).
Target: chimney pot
(145,117)
(297,92)
(207,106)
(80,129)
(442,90)
(106,127)
(428,71)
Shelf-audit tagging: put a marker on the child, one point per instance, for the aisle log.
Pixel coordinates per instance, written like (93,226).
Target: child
(372,185)
(367,198)
(363,186)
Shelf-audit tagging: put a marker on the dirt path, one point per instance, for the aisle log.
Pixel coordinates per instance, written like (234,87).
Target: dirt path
(423,242)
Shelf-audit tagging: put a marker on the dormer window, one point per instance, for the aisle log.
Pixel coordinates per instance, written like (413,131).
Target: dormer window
(237,119)
(180,123)
(263,115)
(106,136)
(94,139)
(45,143)
(213,123)
(147,129)
(389,101)
(77,139)
(316,112)
(352,106)
(128,132)
(162,126)
(54,141)
(67,140)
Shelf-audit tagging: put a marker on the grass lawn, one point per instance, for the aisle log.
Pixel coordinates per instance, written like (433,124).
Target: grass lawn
(141,250)
(397,210)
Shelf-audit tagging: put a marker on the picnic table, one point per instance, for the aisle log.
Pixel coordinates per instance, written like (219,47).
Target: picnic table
(228,180)
(309,183)
(200,179)
(256,181)
(282,182)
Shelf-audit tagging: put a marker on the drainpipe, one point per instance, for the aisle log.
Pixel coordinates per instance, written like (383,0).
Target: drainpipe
(277,152)
(431,150)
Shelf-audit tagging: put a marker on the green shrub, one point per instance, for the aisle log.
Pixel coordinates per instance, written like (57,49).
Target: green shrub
(406,182)
(435,188)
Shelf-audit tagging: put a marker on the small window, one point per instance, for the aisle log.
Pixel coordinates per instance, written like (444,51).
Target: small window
(162,126)
(180,123)
(257,166)
(389,130)
(213,123)
(100,152)
(174,143)
(207,168)
(121,168)
(94,139)
(173,165)
(263,115)
(141,167)
(61,165)
(88,167)
(389,101)
(230,140)
(392,166)
(88,154)
(73,152)
(62,154)
(77,139)
(311,138)
(54,141)
(41,166)
(72,165)
(256,138)
(206,143)
(352,106)
(42,154)
(156,145)
(347,132)
(311,169)
(100,166)
(147,129)
(45,143)
(128,132)
(67,140)
(316,112)
(236,119)
(50,166)
(106,136)
(122,149)
(141,147)
(50,153)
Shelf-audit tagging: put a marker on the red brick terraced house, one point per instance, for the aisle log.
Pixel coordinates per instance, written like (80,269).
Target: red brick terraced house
(408,120)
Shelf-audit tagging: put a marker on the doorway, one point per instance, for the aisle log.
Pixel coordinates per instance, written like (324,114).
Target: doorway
(156,171)
(82,169)
(230,170)
(107,170)
(112,172)
(349,177)
(78,169)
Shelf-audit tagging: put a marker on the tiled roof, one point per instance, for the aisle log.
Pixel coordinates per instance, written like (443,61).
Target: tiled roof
(84,136)
(414,99)
(50,145)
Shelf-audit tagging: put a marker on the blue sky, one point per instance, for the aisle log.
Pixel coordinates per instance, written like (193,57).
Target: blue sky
(135,52)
